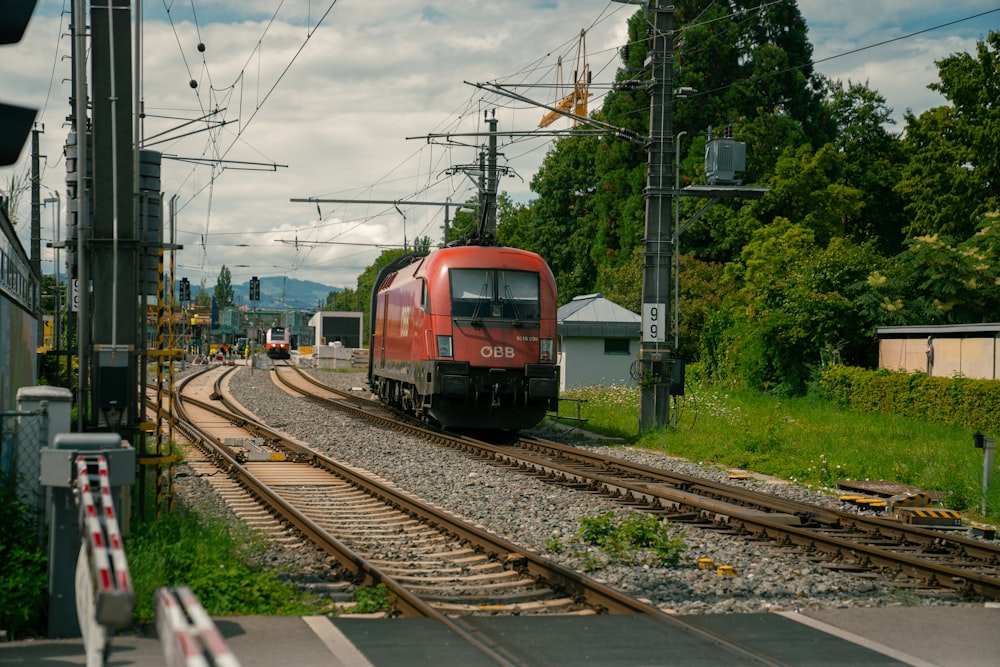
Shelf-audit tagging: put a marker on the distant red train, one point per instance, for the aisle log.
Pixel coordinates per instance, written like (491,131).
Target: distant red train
(278,343)
(465,337)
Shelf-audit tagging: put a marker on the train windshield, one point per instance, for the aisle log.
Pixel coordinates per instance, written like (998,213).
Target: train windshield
(494,294)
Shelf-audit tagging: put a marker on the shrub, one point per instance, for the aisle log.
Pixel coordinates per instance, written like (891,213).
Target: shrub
(23,584)
(954,401)
(630,538)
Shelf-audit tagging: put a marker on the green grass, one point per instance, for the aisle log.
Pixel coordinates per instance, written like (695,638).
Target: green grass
(190,549)
(806,440)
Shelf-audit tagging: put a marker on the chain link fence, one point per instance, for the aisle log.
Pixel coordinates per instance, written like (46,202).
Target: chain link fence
(23,434)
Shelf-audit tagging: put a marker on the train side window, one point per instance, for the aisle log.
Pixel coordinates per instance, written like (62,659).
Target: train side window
(424,297)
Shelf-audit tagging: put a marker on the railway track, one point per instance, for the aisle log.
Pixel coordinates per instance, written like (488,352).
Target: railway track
(381,535)
(436,565)
(908,555)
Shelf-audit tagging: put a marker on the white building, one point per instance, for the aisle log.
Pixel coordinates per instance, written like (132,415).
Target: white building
(598,341)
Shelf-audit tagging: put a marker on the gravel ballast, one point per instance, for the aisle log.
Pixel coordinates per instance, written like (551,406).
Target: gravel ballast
(540,515)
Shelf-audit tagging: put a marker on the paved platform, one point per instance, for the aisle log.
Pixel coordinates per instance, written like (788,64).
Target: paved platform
(918,636)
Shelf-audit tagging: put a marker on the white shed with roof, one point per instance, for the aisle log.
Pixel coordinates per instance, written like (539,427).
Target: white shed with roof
(598,341)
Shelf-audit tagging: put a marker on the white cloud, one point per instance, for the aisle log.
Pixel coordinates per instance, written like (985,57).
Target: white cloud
(370,76)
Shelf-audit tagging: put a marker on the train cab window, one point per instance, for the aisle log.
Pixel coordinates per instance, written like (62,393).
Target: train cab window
(519,294)
(494,294)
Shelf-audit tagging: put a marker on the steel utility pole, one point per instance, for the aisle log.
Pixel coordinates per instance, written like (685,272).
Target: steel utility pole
(36,225)
(655,360)
(113,248)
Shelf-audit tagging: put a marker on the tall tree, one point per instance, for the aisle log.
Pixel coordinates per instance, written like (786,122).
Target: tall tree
(746,62)
(224,296)
(203,299)
(797,306)
(873,162)
(952,177)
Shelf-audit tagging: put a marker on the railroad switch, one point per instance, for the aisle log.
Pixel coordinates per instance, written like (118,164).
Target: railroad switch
(866,502)
(984,531)
(926,516)
(252,449)
(909,499)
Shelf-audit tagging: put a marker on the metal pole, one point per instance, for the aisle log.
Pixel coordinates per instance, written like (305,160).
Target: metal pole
(55,273)
(987,467)
(36,226)
(82,211)
(654,353)
(677,241)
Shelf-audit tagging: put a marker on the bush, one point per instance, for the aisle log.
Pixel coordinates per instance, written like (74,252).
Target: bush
(632,538)
(954,401)
(24,582)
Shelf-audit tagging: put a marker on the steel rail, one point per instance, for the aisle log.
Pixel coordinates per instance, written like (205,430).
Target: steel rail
(584,590)
(365,573)
(728,513)
(602,598)
(987,553)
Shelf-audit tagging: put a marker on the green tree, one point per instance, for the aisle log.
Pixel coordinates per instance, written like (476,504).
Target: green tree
(366,283)
(952,175)
(797,306)
(555,224)
(935,282)
(224,297)
(806,188)
(590,212)
(203,299)
(346,299)
(872,162)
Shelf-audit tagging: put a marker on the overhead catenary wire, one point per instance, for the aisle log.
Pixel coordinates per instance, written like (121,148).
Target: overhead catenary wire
(425,157)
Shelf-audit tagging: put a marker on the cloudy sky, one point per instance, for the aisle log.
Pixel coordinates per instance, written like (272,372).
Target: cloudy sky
(310,98)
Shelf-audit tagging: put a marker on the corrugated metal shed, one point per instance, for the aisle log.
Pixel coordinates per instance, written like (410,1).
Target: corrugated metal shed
(591,315)
(938,330)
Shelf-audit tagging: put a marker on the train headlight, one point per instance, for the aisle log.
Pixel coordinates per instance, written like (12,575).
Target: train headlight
(444,346)
(545,348)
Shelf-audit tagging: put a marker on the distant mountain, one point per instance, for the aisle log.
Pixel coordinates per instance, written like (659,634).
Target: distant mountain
(280,293)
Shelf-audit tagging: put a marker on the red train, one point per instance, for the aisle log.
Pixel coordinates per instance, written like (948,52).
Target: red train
(465,337)
(278,343)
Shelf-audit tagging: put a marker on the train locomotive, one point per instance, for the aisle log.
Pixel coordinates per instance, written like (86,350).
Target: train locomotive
(465,337)
(278,343)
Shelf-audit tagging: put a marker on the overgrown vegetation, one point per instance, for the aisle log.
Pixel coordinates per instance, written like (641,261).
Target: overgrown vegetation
(371,600)
(209,556)
(23,577)
(810,440)
(633,538)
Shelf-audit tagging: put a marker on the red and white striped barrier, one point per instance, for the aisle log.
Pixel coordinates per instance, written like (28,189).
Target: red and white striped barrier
(104,597)
(102,540)
(188,635)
